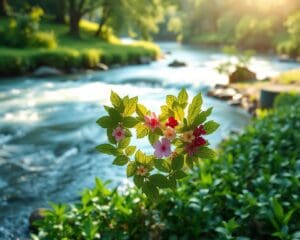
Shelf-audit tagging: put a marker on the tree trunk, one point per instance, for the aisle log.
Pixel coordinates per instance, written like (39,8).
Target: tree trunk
(75,17)
(60,11)
(99,30)
(3,8)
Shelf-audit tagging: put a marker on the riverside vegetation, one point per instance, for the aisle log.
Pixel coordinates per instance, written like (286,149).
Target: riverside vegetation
(249,191)
(26,44)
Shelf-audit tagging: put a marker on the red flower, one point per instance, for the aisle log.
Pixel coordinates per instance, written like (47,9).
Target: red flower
(199,131)
(191,149)
(199,141)
(172,122)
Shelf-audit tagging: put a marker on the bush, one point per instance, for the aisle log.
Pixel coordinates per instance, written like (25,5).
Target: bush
(59,58)
(250,192)
(43,40)
(287,100)
(90,58)
(288,47)
(23,31)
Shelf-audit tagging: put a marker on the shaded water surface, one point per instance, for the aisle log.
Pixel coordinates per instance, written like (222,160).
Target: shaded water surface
(48,130)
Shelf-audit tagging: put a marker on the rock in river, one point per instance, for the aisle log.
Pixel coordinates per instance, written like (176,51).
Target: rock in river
(46,71)
(177,63)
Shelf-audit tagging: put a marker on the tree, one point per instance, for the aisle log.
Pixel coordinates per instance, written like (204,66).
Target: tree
(60,6)
(77,9)
(138,17)
(3,8)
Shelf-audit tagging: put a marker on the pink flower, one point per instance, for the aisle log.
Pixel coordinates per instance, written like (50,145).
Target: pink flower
(152,122)
(118,134)
(142,171)
(163,148)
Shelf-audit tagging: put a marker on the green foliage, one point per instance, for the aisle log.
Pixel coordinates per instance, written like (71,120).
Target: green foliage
(127,114)
(291,46)
(71,53)
(23,31)
(287,100)
(255,33)
(251,191)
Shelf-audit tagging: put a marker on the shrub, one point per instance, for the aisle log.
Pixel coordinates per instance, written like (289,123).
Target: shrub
(90,58)
(287,100)
(43,40)
(250,192)
(288,47)
(62,58)
(23,31)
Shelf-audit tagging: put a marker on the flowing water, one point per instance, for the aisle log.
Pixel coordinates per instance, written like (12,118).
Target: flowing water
(48,130)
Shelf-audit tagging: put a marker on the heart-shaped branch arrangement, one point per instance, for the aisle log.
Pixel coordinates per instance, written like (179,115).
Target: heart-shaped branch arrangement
(177,136)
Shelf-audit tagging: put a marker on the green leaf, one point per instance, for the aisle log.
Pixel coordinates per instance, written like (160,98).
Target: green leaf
(179,174)
(177,162)
(194,108)
(170,99)
(110,136)
(116,100)
(161,165)
(130,150)
(141,130)
(138,181)
(115,116)
(277,209)
(201,118)
(183,98)
(124,143)
(130,122)
(121,160)
(152,137)
(140,157)
(107,149)
(131,168)
(165,112)
(150,190)
(206,153)
(130,106)
(178,112)
(211,126)
(106,122)
(189,162)
(159,180)
(141,111)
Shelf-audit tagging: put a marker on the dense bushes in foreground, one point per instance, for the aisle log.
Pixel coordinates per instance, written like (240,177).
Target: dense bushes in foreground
(250,192)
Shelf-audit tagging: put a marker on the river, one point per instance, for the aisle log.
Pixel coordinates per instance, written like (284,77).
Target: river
(48,129)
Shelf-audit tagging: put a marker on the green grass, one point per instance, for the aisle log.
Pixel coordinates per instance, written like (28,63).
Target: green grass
(289,77)
(84,52)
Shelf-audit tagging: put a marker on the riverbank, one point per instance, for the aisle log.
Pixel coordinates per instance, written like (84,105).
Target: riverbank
(73,54)
(247,95)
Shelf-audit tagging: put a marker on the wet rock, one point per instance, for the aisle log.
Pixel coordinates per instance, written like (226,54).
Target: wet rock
(236,103)
(286,58)
(241,74)
(177,63)
(36,215)
(101,67)
(45,71)
(144,60)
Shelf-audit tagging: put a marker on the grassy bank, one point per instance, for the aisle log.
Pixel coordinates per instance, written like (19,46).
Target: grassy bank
(85,52)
